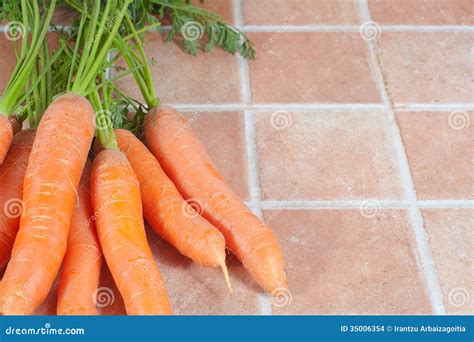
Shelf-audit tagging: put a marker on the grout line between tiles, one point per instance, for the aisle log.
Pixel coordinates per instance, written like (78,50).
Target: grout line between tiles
(434,107)
(275,106)
(356,28)
(427,262)
(263,300)
(109,71)
(424,256)
(319,106)
(445,204)
(252,159)
(238,13)
(358,204)
(264,303)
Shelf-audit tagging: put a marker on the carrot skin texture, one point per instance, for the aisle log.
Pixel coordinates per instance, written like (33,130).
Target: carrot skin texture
(54,169)
(12,174)
(186,162)
(6,136)
(164,208)
(117,205)
(83,260)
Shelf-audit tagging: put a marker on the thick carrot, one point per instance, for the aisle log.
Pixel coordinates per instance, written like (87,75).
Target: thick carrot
(167,212)
(54,169)
(82,263)
(186,162)
(118,211)
(6,136)
(12,174)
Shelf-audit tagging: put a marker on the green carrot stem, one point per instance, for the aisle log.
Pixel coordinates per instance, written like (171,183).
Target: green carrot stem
(13,91)
(104,128)
(85,81)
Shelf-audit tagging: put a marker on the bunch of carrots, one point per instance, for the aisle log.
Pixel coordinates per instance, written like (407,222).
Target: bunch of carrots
(86,174)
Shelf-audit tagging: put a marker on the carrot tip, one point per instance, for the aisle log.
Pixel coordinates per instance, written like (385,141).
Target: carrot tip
(226,276)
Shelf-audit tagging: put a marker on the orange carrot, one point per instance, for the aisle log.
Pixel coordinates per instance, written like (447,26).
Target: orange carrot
(54,169)
(6,136)
(12,174)
(186,162)
(168,213)
(118,211)
(83,260)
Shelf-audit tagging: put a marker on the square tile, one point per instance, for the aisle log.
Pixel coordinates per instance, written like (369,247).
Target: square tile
(301,12)
(422,67)
(451,239)
(440,150)
(312,67)
(326,156)
(422,12)
(222,7)
(181,78)
(342,262)
(222,134)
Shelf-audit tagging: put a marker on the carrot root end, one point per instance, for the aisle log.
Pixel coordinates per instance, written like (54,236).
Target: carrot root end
(226,276)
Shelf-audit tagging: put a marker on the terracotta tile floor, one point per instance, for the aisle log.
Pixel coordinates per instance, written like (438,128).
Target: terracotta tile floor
(352,135)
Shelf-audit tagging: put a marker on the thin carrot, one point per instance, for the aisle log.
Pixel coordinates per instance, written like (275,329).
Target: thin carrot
(83,260)
(12,174)
(186,162)
(118,210)
(54,169)
(168,213)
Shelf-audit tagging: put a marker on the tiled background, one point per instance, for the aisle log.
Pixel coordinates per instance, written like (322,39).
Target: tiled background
(352,135)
